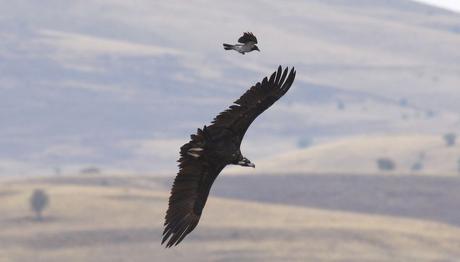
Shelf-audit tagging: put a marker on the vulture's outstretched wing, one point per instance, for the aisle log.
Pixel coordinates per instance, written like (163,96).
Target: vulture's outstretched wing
(198,169)
(256,100)
(190,190)
(247,37)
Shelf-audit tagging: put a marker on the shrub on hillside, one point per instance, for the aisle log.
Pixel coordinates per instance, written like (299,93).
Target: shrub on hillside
(385,164)
(340,105)
(450,139)
(38,202)
(304,142)
(417,166)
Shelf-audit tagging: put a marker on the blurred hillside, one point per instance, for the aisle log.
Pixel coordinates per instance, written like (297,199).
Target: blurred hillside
(119,218)
(415,155)
(121,85)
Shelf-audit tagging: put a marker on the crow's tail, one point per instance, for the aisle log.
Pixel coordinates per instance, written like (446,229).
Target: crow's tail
(228,47)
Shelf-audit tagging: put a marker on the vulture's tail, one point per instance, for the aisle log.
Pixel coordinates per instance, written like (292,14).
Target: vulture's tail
(228,47)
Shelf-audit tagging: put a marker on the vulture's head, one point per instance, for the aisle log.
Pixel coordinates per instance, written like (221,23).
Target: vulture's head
(246,162)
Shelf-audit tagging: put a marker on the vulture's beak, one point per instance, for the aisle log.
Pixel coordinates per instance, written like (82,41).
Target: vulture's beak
(246,162)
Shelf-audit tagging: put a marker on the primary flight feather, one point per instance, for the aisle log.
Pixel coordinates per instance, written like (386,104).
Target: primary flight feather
(214,147)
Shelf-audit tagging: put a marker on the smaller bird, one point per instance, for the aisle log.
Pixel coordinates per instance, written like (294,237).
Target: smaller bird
(248,43)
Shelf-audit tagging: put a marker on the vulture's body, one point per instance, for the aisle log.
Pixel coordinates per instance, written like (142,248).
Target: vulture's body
(211,149)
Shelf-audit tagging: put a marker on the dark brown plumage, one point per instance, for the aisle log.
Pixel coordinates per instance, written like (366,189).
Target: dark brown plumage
(211,149)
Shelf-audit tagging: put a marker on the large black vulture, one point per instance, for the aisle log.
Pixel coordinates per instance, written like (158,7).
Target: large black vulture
(211,149)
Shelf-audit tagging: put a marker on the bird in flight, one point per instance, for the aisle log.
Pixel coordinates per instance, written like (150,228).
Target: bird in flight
(247,44)
(214,147)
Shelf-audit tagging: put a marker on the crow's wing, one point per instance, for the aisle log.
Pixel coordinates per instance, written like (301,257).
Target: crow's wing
(239,116)
(247,37)
(190,190)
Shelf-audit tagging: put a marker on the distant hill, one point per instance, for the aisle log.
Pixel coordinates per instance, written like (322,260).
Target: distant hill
(417,154)
(119,85)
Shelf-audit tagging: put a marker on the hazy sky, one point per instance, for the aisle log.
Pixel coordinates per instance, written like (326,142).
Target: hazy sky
(449,4)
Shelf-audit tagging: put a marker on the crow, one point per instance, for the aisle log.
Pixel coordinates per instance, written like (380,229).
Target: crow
(248,43)
(214,147)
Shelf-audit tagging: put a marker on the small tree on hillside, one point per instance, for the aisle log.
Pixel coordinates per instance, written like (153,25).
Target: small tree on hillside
(386,164)
(304,142)
(417,166)
(450,138)
(429,113)
(340,105)
(38,202)
(403,102)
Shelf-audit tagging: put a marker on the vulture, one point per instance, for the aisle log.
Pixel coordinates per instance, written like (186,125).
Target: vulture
(247,44)
(211,149)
